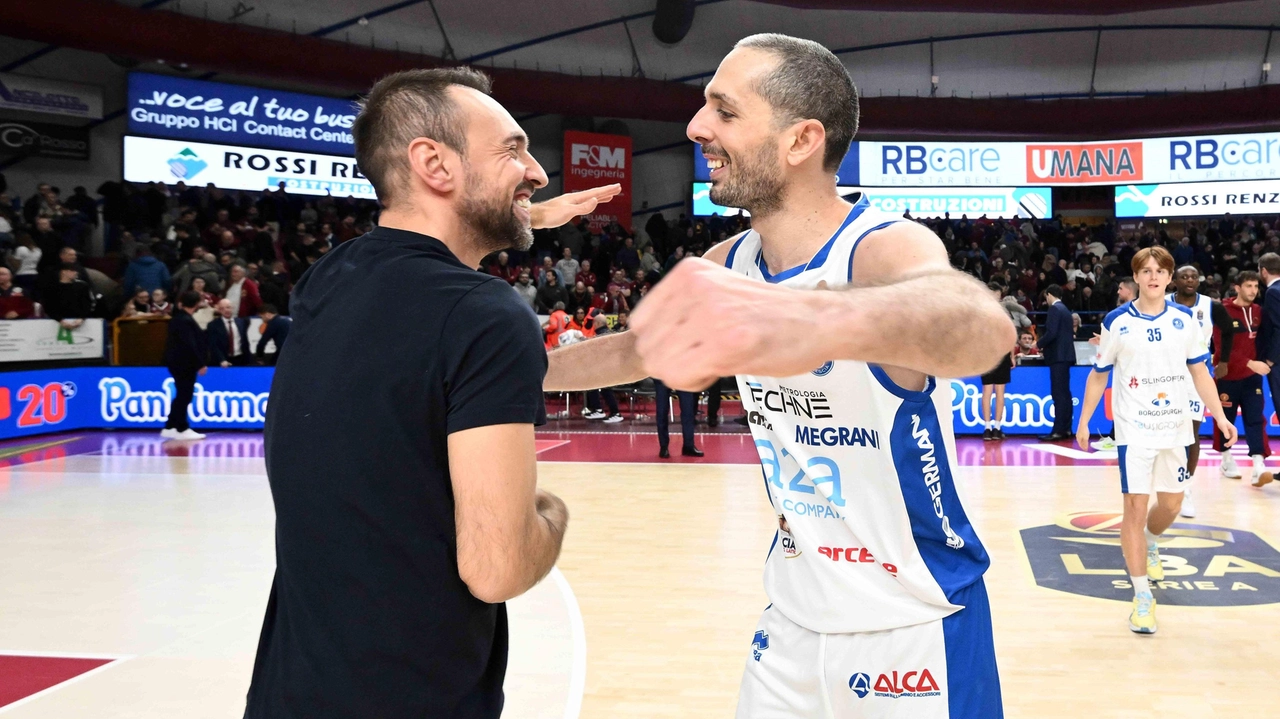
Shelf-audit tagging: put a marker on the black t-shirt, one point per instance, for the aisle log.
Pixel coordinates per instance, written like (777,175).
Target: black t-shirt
(395,344)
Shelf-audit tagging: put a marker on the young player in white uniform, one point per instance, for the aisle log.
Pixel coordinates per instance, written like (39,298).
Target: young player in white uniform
(1156,353)
(879,609)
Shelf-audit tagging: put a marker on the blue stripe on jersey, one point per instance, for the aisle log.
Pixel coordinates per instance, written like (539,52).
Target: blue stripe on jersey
(1122,450)
(858,241)
(901,392)
(734,250)
(1113,314)
(771,546)
(1197,360)
(821,257)
(947,542)
(1103,369)
(973,680)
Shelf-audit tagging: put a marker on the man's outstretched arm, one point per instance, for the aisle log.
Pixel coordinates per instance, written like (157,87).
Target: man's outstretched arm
(601,362)
(907,308)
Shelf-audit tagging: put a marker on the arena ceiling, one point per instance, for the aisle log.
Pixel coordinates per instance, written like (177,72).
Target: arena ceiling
(1071,68)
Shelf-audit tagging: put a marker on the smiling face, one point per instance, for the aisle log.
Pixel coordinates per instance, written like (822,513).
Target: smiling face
(739,138)
(501,175)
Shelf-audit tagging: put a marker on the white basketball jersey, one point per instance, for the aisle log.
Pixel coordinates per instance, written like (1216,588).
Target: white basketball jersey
(860,469)
(1202,313)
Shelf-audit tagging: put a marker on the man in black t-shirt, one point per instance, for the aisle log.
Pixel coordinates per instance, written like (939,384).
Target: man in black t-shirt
(400,447)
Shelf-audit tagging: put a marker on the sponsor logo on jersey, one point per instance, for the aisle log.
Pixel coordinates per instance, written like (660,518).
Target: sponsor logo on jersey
(1124,330)
(1161,400)
(824,370)
(860,683)
(759,643)
(855,555)
(809,404)
(1133,383)
(1177,323)
(896,685)
(789,548)
(1204,565)
(838,437)
(759,420)
(810,509)
(933,480)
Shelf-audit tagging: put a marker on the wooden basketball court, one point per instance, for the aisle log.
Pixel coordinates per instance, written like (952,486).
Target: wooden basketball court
(152,563)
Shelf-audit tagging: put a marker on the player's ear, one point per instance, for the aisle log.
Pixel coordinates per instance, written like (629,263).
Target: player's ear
(433,164)
(807,139)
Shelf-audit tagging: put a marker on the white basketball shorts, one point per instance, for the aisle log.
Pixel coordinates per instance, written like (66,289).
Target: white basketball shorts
(944,669)
(1141,469)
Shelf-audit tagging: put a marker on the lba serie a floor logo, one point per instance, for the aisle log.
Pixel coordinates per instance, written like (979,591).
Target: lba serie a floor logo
(1204,565)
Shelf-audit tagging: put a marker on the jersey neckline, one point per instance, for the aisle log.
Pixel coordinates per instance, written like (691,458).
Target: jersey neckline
(820,257)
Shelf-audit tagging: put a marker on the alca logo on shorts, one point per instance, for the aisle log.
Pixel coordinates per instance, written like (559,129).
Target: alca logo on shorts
(824,370)
(759,643)
(902,685)
(860,683)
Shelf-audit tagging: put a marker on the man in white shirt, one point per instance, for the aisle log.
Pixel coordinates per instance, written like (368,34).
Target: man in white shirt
(1157,353)
(568,267)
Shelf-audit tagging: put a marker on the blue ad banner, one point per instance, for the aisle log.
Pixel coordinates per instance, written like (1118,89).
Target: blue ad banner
(176,107)
(56,400)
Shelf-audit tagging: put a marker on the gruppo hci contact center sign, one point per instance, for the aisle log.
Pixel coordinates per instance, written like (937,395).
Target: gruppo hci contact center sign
(177,107)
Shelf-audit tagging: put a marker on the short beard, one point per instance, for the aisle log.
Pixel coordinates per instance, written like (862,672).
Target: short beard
(755,183)
(493,222)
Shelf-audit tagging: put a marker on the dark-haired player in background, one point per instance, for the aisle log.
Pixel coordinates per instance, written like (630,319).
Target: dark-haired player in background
(1240,383)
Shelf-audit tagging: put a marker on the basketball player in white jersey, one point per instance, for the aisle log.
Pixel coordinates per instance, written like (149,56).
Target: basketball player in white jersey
(1208,314)
(1157,355)
(875,574)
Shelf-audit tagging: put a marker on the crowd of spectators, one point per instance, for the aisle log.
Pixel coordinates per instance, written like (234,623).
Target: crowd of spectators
(1022,257)
(159,241)
(250,248)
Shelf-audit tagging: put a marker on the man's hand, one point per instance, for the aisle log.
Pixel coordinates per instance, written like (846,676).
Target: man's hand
(559,210)
(1220,369)
(202,371)
(1095,340)
(551,508)
(703,321)
(11,315)
(1082,436)
(1259,367)
(225,364)
(1228,430)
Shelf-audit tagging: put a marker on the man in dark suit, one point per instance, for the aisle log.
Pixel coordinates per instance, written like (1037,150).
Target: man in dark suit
(186,354)
(229,337)
(274,327)
(1058,346)
(1268,341)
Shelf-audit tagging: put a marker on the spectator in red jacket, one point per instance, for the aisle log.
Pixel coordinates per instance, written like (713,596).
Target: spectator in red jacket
(615,302)
(503,269)
(585,275)
(14,303)
(243,293)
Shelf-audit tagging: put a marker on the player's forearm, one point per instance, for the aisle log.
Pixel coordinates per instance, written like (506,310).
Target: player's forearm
(601,362)
(1094,388)
(943,324)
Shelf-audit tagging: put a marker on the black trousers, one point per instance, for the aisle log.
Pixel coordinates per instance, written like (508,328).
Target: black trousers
(244,359)
(184,382)
(1060,388)
(1245,395)
(610,400)
(713,404)
(688,413)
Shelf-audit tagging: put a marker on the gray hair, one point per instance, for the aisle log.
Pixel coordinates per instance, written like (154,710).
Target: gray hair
(809,83)
(402,107)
